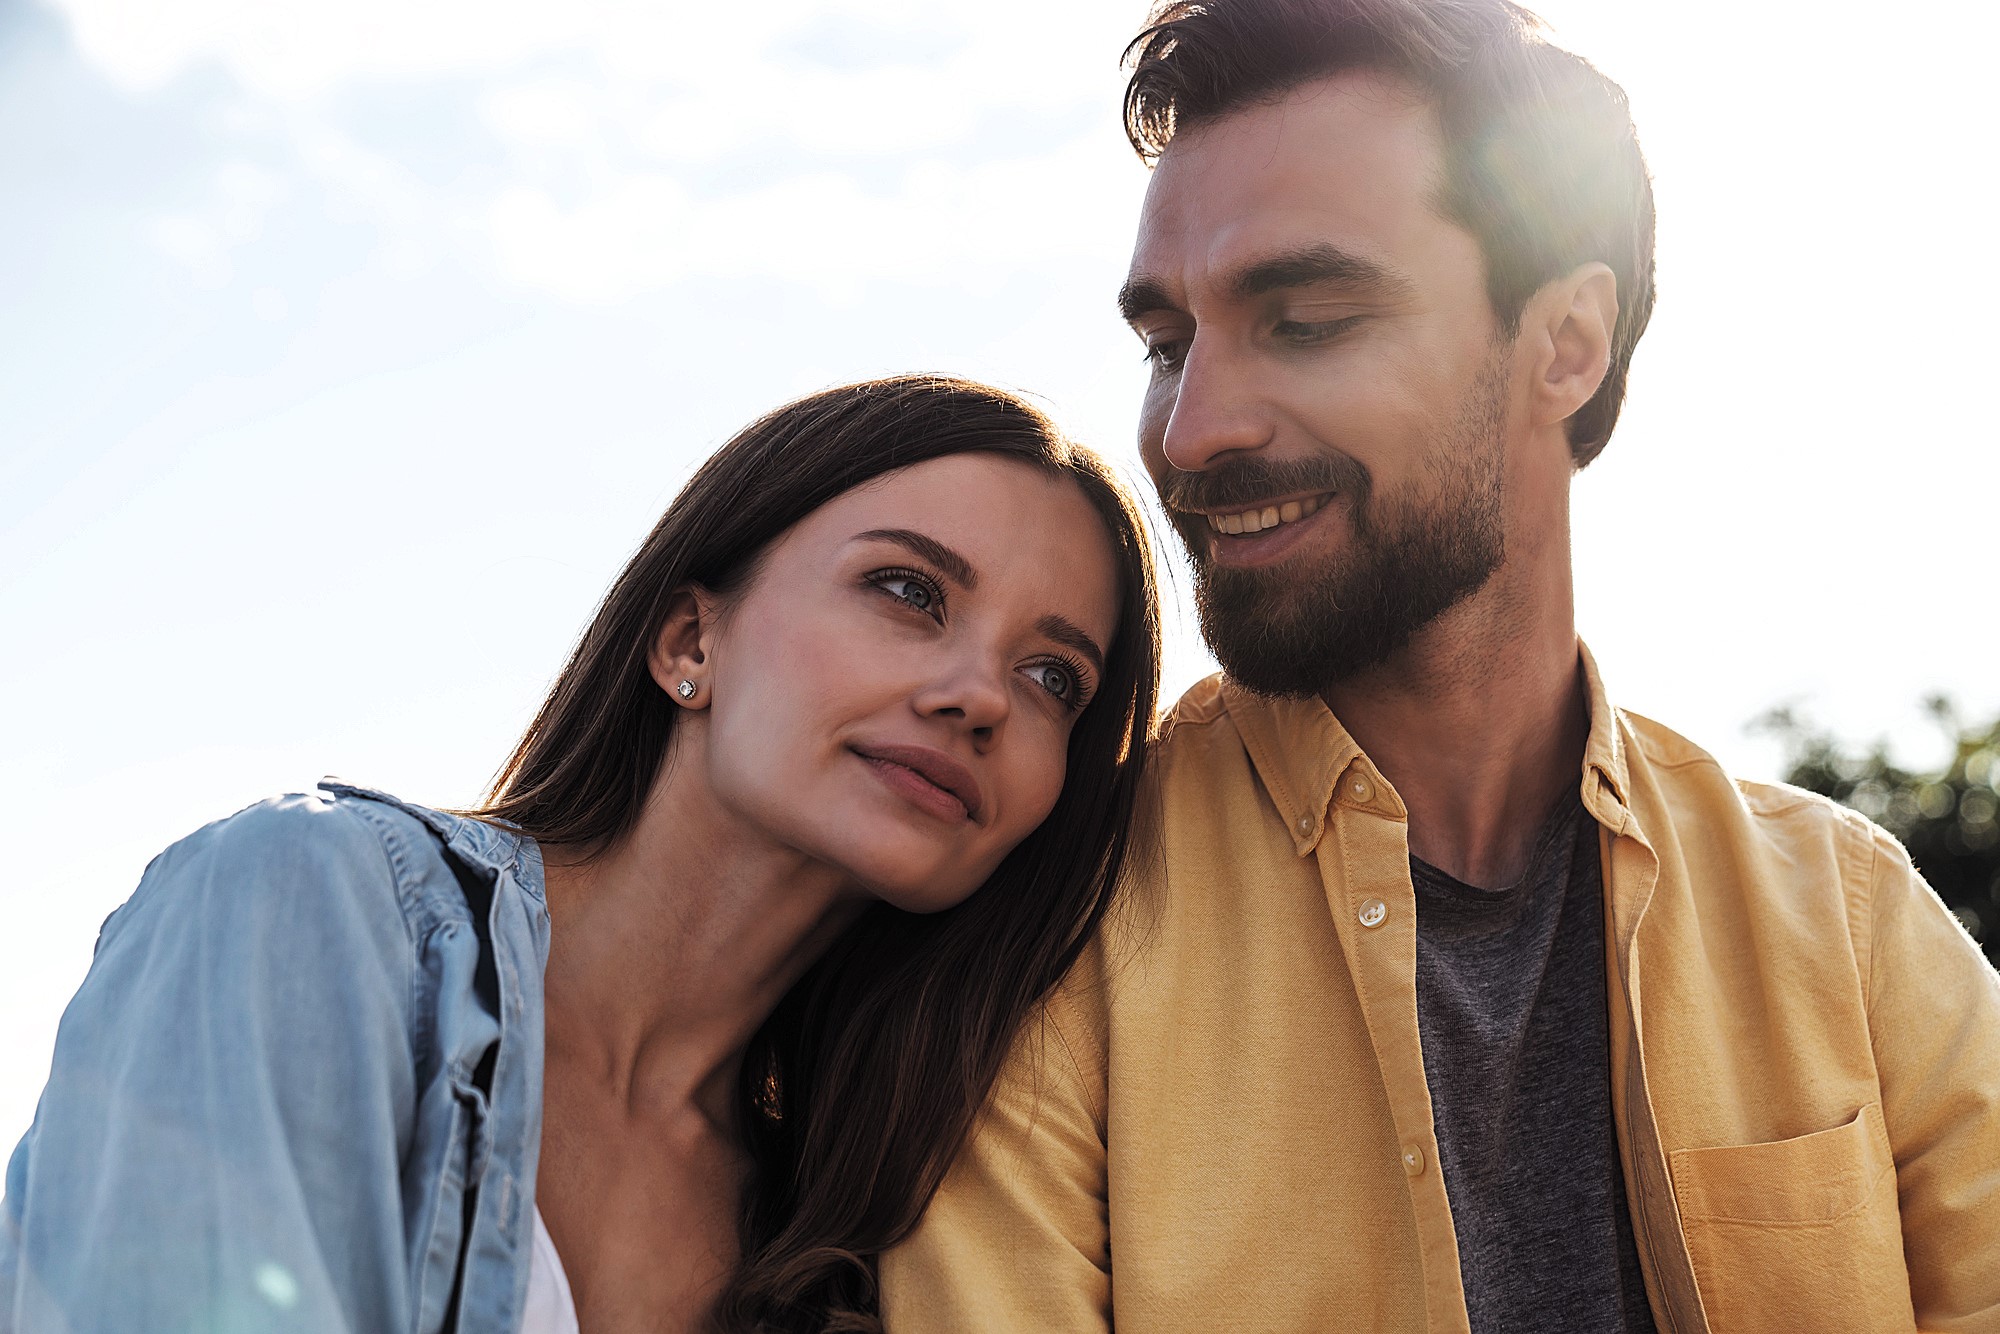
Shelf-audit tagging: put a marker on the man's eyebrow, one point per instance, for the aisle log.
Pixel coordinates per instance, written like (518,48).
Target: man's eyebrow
(1320,264)
(1141,296)
(955,567)
(1304,267)
(1064,631)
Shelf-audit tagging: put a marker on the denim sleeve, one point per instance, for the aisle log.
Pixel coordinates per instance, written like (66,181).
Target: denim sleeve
(218,1145)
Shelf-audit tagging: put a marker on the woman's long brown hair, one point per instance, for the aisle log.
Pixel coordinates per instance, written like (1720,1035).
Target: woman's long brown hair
(861,1086)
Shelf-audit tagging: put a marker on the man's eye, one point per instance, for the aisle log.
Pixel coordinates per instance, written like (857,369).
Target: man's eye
(1166,357)
(1313,331)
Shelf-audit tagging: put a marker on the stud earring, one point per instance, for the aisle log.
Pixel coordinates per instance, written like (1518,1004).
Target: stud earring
(685,690)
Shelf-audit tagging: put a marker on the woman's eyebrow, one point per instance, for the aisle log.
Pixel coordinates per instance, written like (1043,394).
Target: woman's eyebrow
(1064,631)
(955,567)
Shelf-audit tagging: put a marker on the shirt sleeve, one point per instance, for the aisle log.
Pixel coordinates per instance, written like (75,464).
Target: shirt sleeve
(1934,1010)
(1018,1236)
(218,1145)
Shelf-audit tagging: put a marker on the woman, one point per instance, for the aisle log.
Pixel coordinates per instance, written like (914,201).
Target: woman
(684,1025)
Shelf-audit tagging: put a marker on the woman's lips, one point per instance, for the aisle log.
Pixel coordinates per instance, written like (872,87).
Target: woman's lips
(929,779)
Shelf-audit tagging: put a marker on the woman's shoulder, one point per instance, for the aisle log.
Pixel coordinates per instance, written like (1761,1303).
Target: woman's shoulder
(342,863)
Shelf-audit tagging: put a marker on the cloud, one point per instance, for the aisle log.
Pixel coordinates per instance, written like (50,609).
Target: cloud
(820,230)
(300,49)
(640,144)
(241,196)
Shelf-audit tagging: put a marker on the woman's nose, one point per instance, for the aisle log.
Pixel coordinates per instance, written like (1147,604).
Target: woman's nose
(973,697)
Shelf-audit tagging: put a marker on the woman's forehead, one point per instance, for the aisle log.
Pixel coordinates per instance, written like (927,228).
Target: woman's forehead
(963,482)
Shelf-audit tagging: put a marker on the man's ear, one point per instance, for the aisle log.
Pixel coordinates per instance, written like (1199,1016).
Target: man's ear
(679,658)
(1571,320)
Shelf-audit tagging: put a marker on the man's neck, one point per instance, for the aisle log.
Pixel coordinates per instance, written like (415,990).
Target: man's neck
(1480,724)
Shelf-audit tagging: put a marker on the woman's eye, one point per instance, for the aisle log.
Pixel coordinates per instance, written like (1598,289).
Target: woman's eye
(910,589)
(1056,679)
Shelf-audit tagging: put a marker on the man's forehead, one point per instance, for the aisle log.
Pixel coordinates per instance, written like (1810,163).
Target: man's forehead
(1351,161)
(1237,251)
(1363,120)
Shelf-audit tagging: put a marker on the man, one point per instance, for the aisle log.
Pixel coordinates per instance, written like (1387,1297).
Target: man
(1456,997)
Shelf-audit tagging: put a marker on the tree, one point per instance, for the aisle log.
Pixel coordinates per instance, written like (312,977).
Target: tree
(1950,821)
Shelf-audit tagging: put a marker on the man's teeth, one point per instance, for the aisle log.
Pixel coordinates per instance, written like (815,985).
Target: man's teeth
(1256,521)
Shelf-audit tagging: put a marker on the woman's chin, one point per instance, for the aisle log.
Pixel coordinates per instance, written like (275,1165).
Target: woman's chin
(918,890)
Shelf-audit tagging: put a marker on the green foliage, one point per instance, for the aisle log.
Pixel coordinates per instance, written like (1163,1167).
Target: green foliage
(1950,822)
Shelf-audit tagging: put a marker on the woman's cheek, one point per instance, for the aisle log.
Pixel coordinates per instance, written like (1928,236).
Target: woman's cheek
(1042,785)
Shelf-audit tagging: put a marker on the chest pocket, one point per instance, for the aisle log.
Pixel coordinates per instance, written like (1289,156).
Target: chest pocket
(1799,1233)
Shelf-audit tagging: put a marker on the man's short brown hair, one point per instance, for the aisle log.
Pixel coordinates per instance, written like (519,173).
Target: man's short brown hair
(1542,164)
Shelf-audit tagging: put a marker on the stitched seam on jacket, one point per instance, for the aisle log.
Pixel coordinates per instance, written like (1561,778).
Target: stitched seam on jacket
(1867,1198)
(396,853)
(423,1019)
(1867,965)
(1099,1113)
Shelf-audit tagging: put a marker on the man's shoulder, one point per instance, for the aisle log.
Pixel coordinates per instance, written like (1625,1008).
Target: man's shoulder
(1195,733)
(1704,800)
(1199,706)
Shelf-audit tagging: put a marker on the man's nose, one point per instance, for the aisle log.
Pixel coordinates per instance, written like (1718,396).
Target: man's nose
(1216,410)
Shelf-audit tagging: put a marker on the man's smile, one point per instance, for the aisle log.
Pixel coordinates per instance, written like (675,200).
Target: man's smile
(1258,518)
(1246,538)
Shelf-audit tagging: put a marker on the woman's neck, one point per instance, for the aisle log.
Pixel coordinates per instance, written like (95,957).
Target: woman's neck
(670,949)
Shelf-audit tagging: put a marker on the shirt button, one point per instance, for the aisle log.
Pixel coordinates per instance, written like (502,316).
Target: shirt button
(1305,825)
(1374,912)
(1360,788)
(1413,1160)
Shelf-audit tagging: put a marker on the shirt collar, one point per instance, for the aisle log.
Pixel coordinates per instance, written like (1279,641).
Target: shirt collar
(1309,763)
(1607,774)
(1301,753)
(478,841)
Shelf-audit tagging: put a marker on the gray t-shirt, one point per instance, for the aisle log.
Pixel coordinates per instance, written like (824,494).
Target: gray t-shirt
(1511,1010)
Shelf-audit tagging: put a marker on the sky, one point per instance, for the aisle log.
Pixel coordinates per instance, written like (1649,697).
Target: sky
(347,350)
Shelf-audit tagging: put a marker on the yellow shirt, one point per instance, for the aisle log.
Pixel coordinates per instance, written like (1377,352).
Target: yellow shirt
(1223,1123)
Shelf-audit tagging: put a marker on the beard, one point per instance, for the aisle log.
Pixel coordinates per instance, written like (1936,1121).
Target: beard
(1295,628)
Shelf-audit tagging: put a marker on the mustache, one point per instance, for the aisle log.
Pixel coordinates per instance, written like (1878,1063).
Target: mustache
(1237,484)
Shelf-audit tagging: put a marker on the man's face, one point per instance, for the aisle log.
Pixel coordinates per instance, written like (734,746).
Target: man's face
(1330,397)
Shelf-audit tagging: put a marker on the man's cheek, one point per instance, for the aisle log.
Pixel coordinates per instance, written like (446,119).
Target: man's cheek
(1154,414)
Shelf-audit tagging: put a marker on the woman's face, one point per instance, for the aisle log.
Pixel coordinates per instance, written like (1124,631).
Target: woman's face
(892,695)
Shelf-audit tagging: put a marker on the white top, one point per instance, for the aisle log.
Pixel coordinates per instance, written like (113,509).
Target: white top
(550,1308)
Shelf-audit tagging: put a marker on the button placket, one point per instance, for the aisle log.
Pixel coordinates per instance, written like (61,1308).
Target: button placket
(1359,790)
(1380,948)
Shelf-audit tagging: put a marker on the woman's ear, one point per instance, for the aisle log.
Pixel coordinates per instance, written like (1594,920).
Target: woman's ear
(1575,316)
(680,656)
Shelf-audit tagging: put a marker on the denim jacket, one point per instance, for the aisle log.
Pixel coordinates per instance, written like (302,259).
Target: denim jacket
(300,1088)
